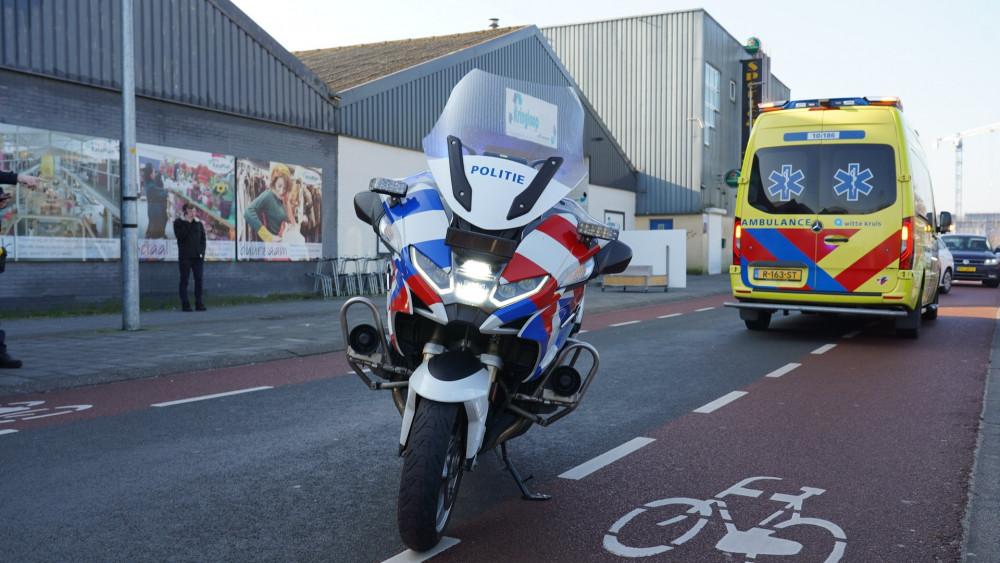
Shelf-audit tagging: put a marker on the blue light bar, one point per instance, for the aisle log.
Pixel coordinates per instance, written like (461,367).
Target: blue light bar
(839,102)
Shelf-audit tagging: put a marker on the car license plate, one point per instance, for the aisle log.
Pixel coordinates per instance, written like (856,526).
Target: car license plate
(777,274)
(966,268)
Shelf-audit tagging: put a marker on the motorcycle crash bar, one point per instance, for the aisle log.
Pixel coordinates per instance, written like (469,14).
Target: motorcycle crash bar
(377,362)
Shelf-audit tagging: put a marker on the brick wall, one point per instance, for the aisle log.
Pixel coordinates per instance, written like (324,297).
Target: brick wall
(43,103)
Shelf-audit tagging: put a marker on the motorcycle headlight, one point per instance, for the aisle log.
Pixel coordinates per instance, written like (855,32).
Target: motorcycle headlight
(431,272)
(472,292)
(388,233)
(473,280)
(506,293)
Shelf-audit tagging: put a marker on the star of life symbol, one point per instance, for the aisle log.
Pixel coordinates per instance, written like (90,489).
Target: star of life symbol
(786,184)
(853,181)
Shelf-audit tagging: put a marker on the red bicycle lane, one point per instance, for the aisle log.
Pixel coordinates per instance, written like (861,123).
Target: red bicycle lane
(874,435)
(41,410)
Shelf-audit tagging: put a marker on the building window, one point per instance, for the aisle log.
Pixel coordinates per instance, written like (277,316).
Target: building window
(732,91)
(712,85)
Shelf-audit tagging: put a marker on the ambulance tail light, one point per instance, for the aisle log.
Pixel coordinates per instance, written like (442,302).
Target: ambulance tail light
(906,245)
(737,248)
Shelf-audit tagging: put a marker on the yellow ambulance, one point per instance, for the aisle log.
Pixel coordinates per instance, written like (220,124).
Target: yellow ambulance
(835,214)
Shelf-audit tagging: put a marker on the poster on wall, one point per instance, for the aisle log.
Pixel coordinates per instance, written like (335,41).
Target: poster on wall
(279,211)
(169,178)
(75,213)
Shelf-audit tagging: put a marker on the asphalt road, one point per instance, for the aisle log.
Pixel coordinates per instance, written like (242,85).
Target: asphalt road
(858,442)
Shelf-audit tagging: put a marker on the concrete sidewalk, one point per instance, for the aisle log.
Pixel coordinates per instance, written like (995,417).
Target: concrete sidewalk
(67,352)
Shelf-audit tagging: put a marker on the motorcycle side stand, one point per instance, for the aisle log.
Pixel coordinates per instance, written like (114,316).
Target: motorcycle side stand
(525,493)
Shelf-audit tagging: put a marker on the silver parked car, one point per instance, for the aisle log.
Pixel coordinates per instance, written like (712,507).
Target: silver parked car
(947,263)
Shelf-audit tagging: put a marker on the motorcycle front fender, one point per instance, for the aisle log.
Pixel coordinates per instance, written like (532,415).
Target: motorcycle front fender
(452,377)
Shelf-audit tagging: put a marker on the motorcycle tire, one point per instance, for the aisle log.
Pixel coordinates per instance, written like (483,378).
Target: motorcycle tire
(432,472)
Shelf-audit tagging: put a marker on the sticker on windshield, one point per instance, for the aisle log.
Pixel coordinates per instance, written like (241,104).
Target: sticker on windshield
(532,119)
(853,181)
(785,184)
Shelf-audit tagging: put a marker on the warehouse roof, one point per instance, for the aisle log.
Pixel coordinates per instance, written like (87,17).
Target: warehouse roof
(346,67)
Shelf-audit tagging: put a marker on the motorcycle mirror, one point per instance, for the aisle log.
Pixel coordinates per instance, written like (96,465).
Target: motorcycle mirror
(368,207)
(394,188)
(612,258)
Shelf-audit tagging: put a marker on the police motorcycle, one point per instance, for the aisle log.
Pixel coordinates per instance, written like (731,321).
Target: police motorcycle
(486,288)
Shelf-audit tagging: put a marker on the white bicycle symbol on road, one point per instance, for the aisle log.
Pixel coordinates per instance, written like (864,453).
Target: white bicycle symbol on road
(684,518)
(32,410)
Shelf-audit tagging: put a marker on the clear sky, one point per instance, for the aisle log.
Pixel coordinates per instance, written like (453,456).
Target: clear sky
(939,56)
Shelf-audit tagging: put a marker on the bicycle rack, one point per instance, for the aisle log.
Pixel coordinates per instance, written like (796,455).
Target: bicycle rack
(546,397)
(378,362)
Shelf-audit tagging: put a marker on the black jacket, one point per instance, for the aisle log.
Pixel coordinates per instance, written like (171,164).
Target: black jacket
(190,239)
(8,177)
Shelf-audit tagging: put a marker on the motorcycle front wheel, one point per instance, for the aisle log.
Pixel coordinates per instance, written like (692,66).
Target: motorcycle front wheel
(432,472)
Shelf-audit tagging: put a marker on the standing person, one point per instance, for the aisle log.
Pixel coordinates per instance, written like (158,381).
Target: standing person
(190,235)
(11,178)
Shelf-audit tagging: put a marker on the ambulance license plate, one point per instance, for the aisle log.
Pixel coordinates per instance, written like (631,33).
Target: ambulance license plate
(966,268)
(777,274)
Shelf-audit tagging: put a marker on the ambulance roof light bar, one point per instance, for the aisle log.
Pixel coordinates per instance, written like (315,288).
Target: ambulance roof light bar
(832,103)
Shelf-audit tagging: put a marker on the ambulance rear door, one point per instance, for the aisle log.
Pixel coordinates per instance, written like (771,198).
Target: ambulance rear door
(820,214)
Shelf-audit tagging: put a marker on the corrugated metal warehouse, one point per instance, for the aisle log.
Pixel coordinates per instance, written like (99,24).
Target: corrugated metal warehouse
(671,89)
(216,93)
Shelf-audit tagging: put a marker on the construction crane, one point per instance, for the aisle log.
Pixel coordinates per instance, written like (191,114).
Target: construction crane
(956,141)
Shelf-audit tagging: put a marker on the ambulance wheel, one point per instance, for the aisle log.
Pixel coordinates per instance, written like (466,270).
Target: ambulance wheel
(762,321)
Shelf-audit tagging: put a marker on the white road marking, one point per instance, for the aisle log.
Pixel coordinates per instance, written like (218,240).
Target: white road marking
(605,459)
(206,397)
(410,556)
(7,431)
(625,323)
(852,334)
(783,370)
(670,315)
(720,402)
(824,349)
(705,309)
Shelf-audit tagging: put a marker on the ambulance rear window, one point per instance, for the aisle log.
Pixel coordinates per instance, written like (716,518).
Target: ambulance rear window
(832,179)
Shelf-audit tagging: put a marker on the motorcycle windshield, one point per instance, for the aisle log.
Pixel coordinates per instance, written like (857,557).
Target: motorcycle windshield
(504,151)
